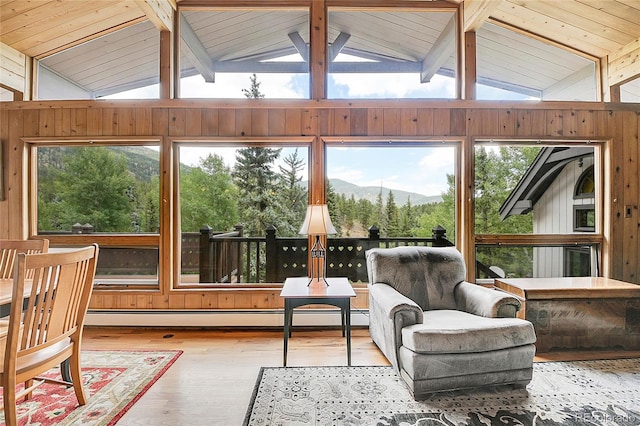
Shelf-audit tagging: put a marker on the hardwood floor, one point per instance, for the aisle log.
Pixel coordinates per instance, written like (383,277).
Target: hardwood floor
(212,382)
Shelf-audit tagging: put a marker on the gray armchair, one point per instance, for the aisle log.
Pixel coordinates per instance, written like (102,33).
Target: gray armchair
(440,332)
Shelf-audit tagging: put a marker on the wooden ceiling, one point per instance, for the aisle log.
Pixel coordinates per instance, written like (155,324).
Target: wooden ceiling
(593,29)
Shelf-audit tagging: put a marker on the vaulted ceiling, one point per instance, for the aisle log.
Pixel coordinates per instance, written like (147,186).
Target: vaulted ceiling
(545,41)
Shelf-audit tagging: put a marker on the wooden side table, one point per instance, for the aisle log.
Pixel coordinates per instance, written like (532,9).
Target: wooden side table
(298,292)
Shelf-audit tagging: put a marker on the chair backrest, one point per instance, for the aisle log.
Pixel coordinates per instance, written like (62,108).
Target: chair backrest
(10,248)
(61,287)
(426,275)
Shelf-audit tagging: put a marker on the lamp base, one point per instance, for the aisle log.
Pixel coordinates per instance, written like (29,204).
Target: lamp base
(318,262)
(318,280)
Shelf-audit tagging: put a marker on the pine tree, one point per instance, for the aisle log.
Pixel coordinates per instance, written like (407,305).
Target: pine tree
(291,197)
(254,91)
(393,219)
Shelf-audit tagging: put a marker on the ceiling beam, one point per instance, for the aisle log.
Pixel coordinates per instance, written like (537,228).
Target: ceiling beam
(337,45)
(476,12)
(159,12)
(624,65)
(196,52)
(300,45)
(441,50)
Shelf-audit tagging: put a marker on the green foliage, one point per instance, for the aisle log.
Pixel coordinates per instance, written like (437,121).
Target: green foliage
(254,91)
(291,198)
(208,196)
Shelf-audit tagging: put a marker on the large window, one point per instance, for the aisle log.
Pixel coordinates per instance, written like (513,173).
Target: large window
(109,189)
(384,54)
(221,50)
(533,202)
(231,198)
(405,189)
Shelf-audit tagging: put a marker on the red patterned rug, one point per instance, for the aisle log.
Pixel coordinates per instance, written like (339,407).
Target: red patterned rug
(114,380)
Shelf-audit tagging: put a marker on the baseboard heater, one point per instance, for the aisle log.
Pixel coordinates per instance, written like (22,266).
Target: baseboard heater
(220,318)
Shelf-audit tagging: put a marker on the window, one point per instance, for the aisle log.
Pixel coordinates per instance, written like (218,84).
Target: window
(410,54)
(231,198)
(531,201)
(221,50)
(403,188)
(87,71)
(109,189)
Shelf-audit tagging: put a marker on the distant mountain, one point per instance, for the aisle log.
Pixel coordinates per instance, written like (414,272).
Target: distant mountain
(371,193)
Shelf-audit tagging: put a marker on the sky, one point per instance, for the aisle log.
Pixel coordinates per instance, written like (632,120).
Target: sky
(422,170)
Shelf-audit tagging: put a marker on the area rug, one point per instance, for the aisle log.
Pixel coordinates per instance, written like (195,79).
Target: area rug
(114,380)
(561,393)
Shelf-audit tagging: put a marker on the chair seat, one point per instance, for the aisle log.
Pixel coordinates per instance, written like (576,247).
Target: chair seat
(451,332)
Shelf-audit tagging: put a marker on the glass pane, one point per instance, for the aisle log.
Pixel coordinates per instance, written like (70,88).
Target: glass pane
(121,64)
(405,191)
(534,262)
(85,189)
(221,51)
(528,189)
(410,54)
(234,196)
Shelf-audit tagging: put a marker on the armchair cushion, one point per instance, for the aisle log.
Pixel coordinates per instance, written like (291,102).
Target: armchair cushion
(427,277)
(457,332)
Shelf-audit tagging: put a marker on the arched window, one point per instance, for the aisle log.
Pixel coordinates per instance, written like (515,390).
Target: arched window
(585,187)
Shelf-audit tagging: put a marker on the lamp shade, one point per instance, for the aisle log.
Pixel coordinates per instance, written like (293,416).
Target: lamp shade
(317,221)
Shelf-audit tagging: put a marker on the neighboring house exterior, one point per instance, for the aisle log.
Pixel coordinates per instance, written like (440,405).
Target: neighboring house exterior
(559,190)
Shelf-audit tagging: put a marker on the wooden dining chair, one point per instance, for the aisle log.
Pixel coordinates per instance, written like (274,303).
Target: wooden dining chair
(49,330)
(10,248)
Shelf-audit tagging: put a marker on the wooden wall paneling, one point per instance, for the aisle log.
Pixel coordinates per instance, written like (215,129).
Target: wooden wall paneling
(46,123)
(177,301)
(31,122)
(600,123)
(193,122)
(243,122)
(442,122)
(144,121)
(458,122)
(265,300)
(15,191)
(4,169)
(144,301)
(585,123)
(358,122)
(160,121)
(260,122)
(570,123)
(210,300)
(226,122)
(126,121)
(276,121)
(78,122)
(109,121)
(375,122)
(342,122)
(554,123)
(617,193)
(193,300)
(226,300)
(160,301)
(409,122)
(391,121)
(209,122)
(537,122)
(309,122)
(325,121)
(242,299)
(425,122)
(177,121)
(293,122)
(631,197)
(524,123)
(62,121)
(474,124)
(94,121)
(507,122)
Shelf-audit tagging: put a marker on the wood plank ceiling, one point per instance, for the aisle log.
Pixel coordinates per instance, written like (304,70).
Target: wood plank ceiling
(529,43)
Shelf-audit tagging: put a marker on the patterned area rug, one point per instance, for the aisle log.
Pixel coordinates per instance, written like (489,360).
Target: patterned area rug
(114,380)
(561,393)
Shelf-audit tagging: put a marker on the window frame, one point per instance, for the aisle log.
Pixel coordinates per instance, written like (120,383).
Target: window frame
(115,240)
(596,239)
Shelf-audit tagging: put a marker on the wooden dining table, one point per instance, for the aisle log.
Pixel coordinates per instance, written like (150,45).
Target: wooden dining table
(6,294)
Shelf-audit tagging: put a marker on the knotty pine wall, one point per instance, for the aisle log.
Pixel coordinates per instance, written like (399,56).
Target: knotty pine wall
(466,120)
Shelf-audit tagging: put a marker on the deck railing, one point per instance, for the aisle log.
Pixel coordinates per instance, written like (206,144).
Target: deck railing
(232,258)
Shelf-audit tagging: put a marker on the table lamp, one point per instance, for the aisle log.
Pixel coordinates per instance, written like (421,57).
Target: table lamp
(317,222)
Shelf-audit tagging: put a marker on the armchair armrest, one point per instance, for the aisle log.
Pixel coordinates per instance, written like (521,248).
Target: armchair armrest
(389,312)
(485,302)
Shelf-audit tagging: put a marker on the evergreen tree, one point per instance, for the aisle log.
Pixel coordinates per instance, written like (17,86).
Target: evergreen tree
(291,197)
(381,221)
(208,196)
(407,219)
(257,184)
(392,217)
(254,91)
